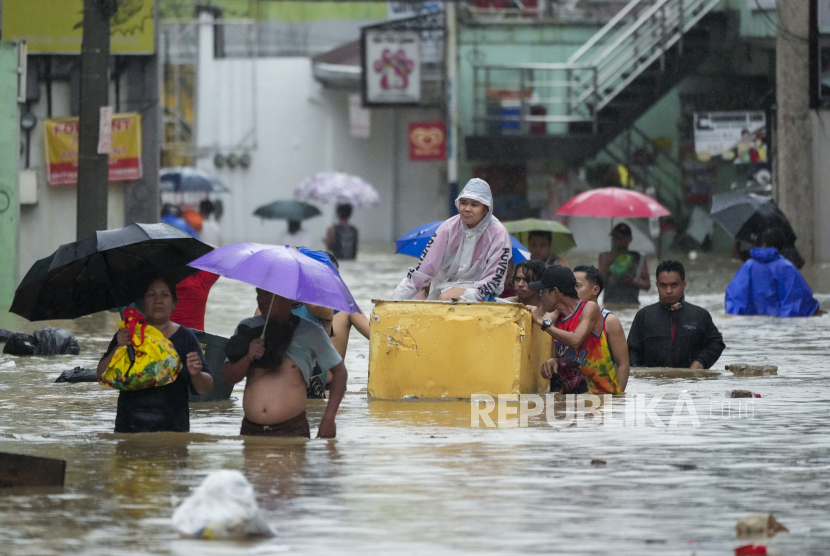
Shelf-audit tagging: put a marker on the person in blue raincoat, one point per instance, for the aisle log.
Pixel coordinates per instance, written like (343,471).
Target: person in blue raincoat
(768,284)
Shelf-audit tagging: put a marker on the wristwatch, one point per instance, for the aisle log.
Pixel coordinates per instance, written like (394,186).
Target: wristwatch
(546,324)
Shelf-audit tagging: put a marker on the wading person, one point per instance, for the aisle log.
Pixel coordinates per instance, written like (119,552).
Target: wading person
(525,273)
(341,239)
(625,272)
(589,284)
(673,332)
(583,360)
(161,408)
(295,235)
(768,284)
(278,374)
(539,244)
(468,255)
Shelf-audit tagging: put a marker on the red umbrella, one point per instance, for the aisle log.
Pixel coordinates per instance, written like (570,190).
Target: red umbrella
(613,202)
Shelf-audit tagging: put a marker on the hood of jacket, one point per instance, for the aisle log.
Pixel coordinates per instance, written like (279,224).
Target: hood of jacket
(765,254)
(477,190)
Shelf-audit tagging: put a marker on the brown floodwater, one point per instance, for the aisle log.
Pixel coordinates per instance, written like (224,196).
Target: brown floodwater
(413,477)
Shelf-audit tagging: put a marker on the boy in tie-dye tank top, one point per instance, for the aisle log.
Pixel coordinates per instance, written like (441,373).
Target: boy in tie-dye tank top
(579,335)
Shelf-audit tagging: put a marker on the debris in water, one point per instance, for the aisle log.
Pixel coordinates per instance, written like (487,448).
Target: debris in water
(758,525)
(598,462)
(222,507)
(743,394)
(739,369)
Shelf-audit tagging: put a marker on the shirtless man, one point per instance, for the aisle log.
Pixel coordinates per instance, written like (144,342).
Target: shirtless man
(589,284)
(275,399)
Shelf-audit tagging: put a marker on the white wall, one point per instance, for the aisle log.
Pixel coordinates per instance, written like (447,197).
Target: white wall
(292,127)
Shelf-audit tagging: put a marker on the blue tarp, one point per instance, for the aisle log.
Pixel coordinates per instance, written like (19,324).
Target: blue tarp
(768,284)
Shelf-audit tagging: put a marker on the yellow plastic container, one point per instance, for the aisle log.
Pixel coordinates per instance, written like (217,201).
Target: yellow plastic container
(441,350)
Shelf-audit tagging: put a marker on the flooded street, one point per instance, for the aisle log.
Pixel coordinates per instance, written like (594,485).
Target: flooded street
(415,478)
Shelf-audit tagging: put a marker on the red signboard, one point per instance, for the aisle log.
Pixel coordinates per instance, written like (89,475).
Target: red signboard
(427,141)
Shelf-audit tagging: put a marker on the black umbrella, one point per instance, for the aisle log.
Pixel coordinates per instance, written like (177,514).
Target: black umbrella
(107,270)
(187,180)
(745,216)
(287,210)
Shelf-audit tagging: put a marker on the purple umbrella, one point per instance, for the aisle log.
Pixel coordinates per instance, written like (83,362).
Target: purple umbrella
(337,187)
(280,270)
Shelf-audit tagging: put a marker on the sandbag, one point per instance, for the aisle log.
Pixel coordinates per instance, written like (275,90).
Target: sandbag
(5,335)
(20,344)
(56,341)
(222,507)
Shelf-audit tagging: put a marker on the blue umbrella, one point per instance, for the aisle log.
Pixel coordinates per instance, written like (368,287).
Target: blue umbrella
(413,243)
(179,223)
(188,180)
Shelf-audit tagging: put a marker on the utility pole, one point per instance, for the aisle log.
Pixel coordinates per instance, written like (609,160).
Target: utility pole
(794,153)
(93,168)
(451,47)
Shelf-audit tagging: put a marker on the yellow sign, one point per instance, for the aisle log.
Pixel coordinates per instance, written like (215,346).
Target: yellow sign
(60,137)
(56,26)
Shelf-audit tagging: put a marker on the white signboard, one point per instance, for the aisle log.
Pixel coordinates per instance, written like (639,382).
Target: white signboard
(105,130)
(719,132)
(360,123)
(393,67)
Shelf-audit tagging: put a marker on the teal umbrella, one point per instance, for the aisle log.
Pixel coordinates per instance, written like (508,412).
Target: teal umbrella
(287,210)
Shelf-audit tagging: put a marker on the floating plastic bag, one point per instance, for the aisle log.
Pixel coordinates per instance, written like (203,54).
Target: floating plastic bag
(46,341)
(149,360)
(222,507)
(56,341)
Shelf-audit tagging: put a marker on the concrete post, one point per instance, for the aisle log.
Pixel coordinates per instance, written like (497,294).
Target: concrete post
(141,197)
(794,156)
(451,47)
(93,167)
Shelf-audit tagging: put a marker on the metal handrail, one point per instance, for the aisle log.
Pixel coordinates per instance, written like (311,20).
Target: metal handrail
(604,31)
(608,62)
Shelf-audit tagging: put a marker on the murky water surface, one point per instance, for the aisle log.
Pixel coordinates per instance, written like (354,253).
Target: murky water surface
(415,478)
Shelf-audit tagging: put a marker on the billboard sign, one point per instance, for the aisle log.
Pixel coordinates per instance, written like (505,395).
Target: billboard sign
(391,67)
(60,136)
(729,134)
(427,141)
(56,26)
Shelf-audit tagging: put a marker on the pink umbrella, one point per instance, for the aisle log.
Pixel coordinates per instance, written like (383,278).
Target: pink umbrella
(613,202)
(337,187)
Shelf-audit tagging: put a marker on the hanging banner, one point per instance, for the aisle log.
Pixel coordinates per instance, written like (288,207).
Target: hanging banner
(360,119)
(391,67)
(427,141)
(733,135)
(56,26)
(60,138)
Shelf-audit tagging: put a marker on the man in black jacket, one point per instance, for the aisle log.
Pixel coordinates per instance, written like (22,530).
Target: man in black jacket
(673,332)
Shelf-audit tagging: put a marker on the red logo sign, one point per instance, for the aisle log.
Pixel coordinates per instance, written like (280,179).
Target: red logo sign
(427,141)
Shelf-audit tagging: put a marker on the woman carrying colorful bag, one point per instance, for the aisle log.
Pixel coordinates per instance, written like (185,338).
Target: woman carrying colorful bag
(154,363)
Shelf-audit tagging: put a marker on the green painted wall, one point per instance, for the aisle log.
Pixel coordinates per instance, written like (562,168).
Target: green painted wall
(9,147)
(507,44)
(754,23)
(276,11)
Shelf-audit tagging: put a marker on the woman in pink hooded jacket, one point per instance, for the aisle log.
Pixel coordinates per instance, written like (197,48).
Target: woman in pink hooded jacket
(467,257)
